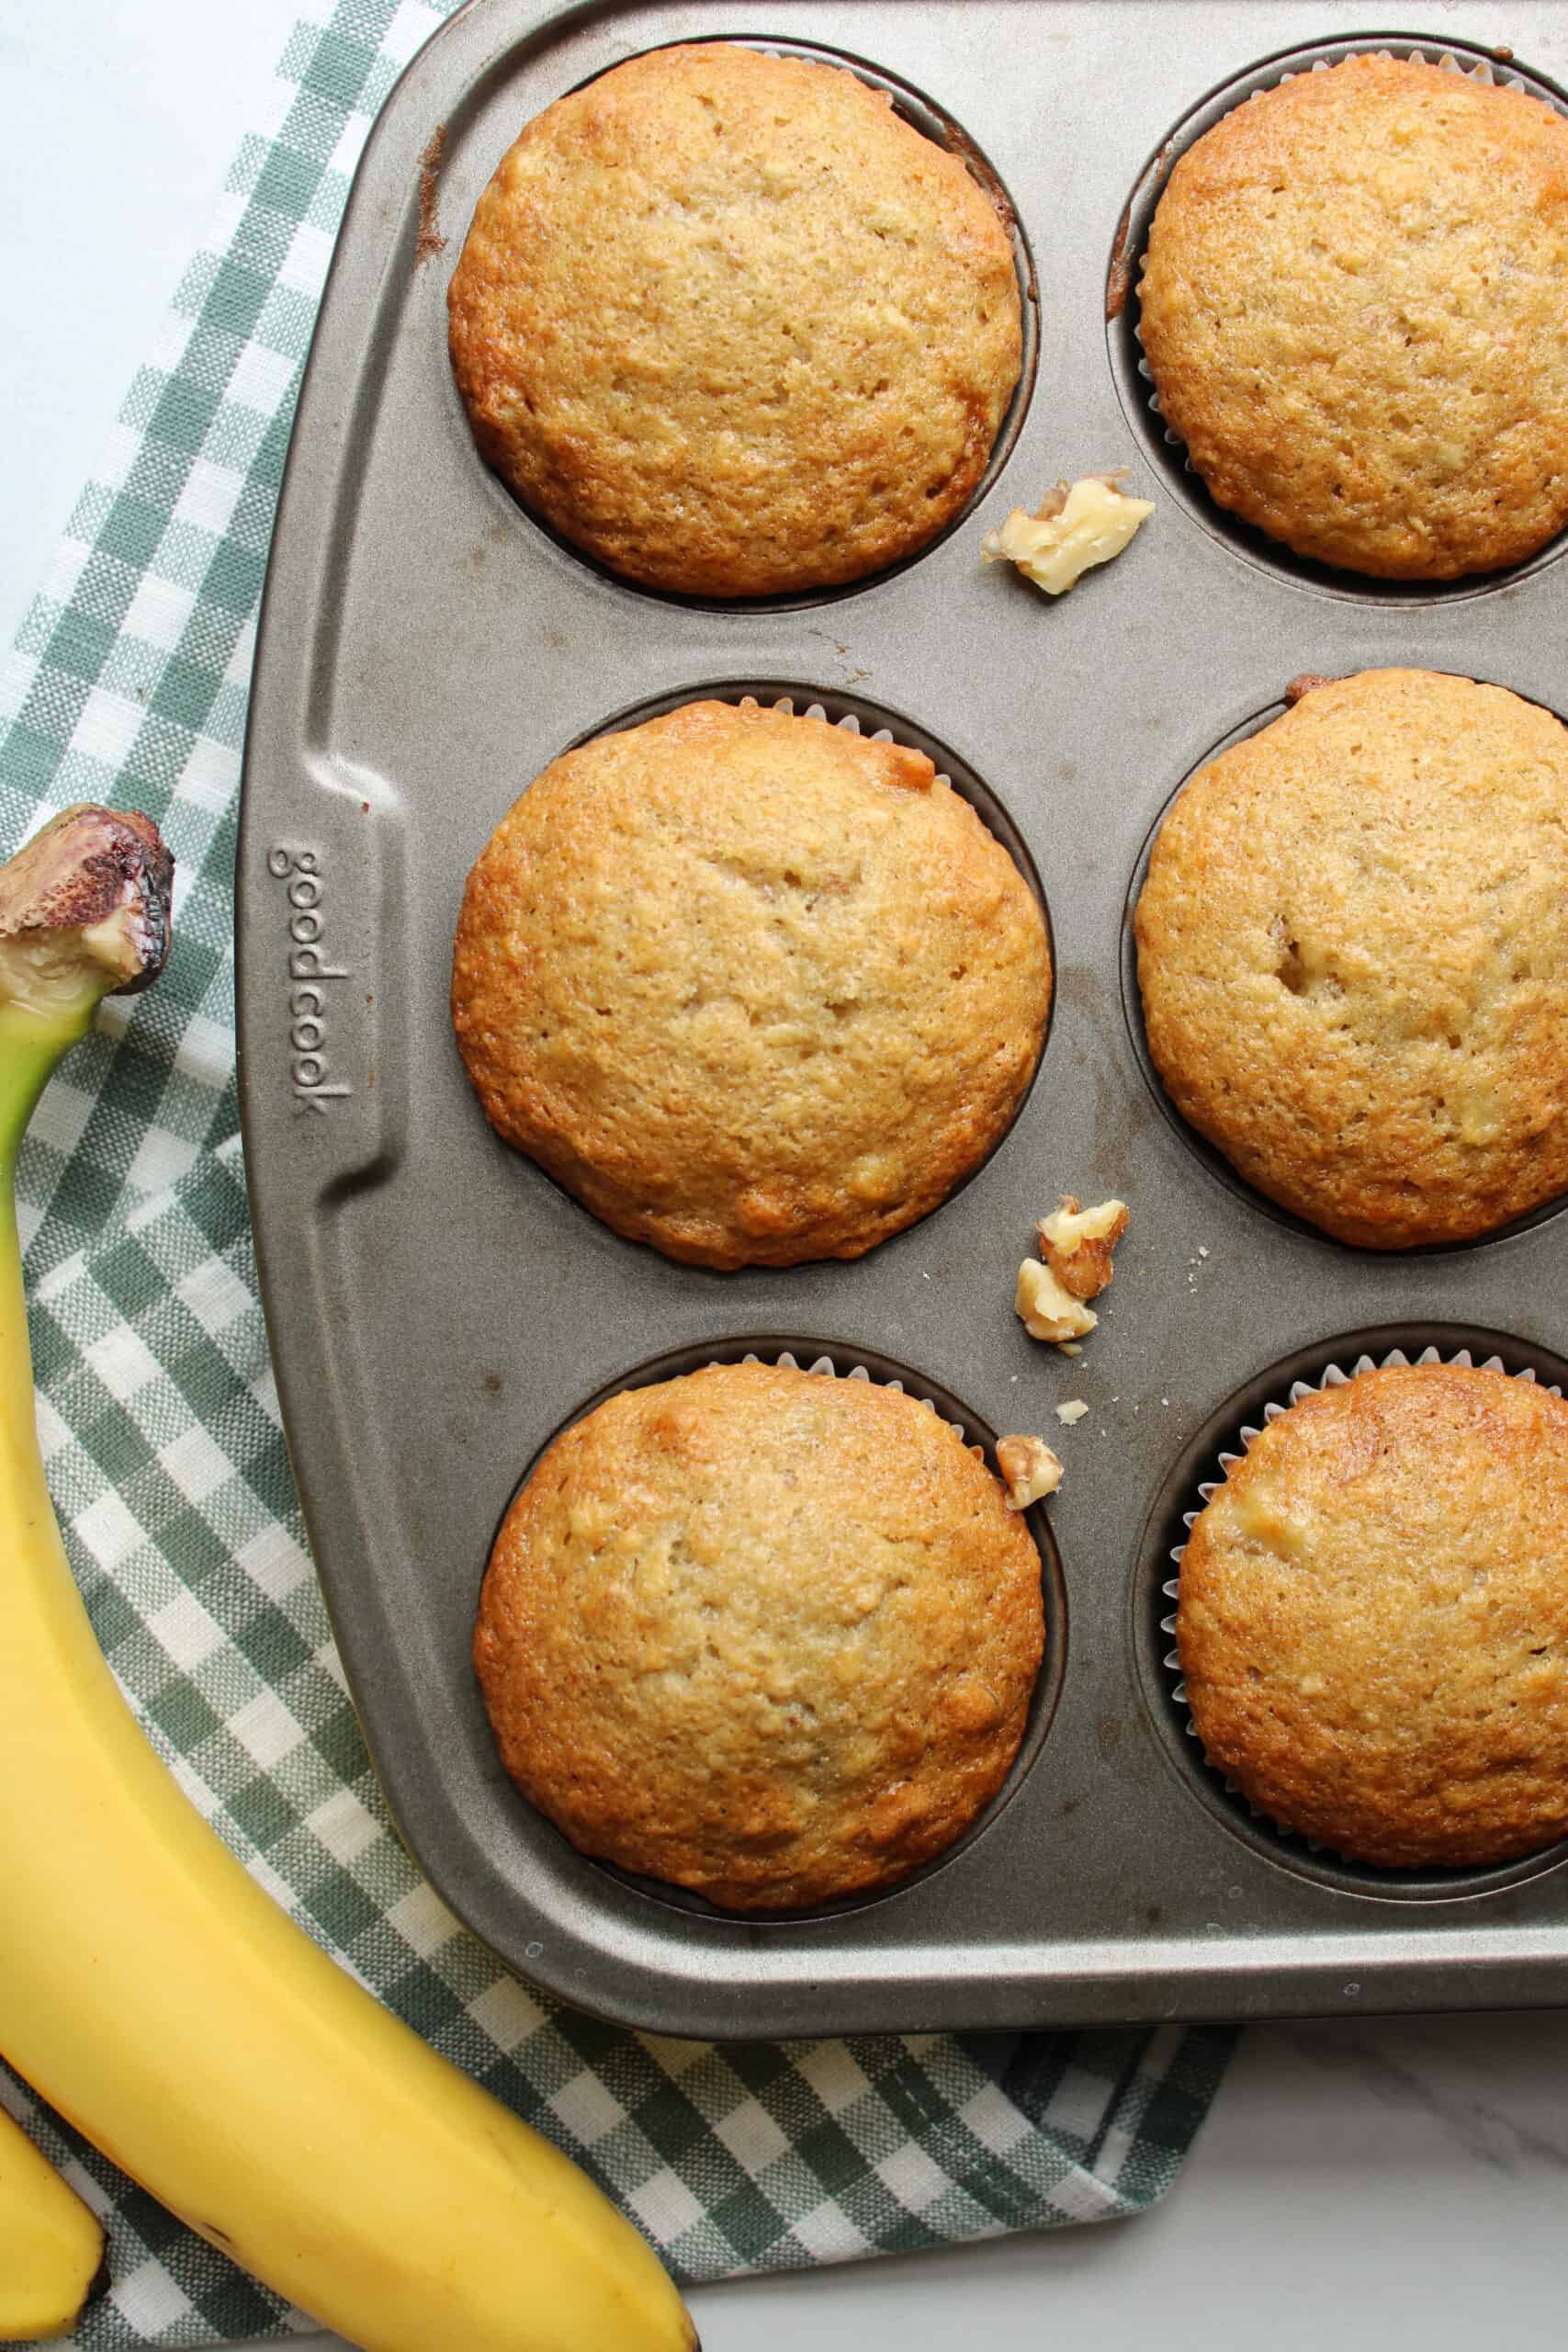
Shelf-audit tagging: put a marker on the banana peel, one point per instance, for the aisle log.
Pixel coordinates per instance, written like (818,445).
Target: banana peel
(149,1990)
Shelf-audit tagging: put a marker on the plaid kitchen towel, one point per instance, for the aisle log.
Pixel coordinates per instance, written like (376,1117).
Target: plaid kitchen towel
(160,1425)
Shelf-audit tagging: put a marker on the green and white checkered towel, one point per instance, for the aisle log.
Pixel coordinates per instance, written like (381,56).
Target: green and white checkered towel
(161,1425)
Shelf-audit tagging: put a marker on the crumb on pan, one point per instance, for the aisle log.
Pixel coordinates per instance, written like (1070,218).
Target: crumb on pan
(1076,526)
(1030,1470)
(1077,1243)
(1073,1410)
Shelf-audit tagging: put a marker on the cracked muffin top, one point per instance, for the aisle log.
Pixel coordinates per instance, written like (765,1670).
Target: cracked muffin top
(766,1634)
(752,988)
(1352,309)
(732,326)
(1353,958)
(1372,1618)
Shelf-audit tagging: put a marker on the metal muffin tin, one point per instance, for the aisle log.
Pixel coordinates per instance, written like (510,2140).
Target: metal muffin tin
(438,1309)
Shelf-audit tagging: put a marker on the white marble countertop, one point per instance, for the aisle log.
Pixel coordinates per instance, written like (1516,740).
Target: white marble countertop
(1368,2183)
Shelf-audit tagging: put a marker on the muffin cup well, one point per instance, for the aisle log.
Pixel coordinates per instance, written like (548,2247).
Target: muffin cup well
(933,123)
(1208,1154)
(1135,381)
(830,1360)
(1201,1469)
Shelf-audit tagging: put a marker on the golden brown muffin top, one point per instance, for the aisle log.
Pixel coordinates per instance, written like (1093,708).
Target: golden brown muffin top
(1352,307)
(1353,956)
(728,323)
(1372,1618)
(754,988)
(766,1634)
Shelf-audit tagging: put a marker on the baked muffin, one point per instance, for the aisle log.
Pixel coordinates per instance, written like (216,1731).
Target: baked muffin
(1372,1618)
(1352,308)
(765,1633)
(1353,956)
(754,988)
(732,326)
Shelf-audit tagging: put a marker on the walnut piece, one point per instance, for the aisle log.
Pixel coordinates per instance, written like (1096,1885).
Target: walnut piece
(1073,1410)
(1029,1469)
(1076,1244)
(1049,1312)
(1076,526)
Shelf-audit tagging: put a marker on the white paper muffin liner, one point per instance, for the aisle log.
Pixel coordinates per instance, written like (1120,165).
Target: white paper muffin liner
(1332,1376)
(806,702)
(825,1366)
(804,705)
(850,724)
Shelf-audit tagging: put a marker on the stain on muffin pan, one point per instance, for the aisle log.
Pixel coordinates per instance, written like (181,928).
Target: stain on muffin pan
(1192,1478)
(436,1313)
(1134,380)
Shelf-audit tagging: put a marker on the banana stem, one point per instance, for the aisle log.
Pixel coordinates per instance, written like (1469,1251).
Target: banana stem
(32,1044)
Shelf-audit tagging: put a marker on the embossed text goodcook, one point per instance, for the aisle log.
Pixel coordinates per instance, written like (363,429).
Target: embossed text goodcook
(308,974)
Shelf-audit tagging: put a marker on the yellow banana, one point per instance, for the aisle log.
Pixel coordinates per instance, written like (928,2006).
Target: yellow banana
(149,1989)
(51,2246)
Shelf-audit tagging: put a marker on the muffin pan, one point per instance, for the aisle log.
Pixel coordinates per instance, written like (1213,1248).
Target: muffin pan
(438,1309)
